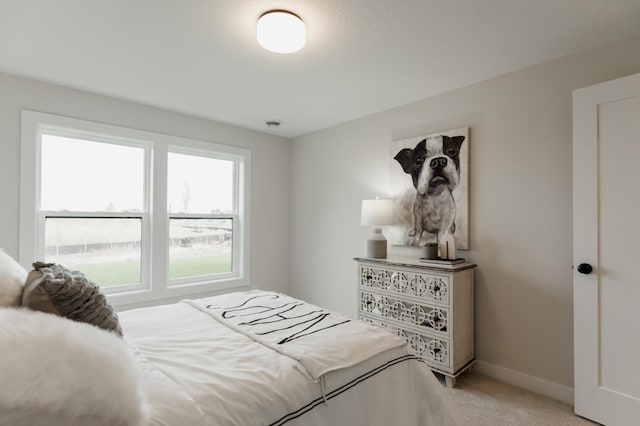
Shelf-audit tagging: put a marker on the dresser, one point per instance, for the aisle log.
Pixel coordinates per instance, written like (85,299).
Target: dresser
(430,305)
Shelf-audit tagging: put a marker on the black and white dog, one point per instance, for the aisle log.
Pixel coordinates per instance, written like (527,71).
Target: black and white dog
(434,166)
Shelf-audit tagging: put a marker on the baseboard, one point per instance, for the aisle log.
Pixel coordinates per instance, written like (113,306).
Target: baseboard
(525,381)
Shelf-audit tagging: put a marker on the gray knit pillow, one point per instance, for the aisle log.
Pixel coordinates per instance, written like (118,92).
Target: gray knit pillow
(57,290)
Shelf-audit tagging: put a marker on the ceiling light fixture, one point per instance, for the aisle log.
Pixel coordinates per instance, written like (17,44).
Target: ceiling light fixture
(281,31)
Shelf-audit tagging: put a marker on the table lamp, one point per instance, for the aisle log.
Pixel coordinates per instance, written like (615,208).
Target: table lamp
(377,213)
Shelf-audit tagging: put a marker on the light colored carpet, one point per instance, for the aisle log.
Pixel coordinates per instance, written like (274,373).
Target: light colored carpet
(483,401)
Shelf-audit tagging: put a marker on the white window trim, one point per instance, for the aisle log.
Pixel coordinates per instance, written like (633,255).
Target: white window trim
(157,145)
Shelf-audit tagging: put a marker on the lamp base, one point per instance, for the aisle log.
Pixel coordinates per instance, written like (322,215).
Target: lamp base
(377,249)
(377,244)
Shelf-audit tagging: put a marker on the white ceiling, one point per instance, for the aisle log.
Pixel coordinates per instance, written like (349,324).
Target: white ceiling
(200,57)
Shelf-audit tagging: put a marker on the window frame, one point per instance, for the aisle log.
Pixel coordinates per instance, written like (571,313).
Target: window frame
(155,217)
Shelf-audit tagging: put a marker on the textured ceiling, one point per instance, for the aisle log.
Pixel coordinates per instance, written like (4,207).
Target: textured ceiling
(200,57)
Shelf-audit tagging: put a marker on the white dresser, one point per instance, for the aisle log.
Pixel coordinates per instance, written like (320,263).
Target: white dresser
(431,305)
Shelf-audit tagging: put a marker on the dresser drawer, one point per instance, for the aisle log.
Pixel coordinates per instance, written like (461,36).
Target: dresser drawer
(428,286)
(433,349)
(431,319)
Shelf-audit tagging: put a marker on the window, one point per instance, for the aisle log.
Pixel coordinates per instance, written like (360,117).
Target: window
(144,215)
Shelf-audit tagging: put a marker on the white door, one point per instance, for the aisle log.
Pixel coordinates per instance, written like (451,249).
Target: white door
(606,236)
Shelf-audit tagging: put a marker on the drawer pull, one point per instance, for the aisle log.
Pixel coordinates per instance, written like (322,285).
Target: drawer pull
(436,319)
(437,350)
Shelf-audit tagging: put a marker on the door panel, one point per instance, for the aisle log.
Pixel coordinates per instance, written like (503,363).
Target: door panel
(619,204)
(606,213)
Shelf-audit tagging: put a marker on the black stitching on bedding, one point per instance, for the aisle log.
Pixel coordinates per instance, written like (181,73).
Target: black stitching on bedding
(317,320)
(240,307)
(260,321)
(311,405)
(279,314)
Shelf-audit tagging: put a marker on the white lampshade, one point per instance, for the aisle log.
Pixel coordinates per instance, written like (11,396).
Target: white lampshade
(281,32)
(378,212)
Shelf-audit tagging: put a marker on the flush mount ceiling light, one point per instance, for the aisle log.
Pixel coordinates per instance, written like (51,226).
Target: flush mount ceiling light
(281,31)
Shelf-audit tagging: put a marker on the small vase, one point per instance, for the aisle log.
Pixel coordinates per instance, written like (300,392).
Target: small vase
(430,252)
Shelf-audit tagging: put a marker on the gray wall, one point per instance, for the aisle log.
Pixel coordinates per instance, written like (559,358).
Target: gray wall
(520,203)
(270,159)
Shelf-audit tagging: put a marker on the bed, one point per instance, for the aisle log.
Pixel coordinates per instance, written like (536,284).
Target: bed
(247,358)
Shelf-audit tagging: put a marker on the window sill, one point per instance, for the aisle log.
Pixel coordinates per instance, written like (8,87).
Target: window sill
(149,297)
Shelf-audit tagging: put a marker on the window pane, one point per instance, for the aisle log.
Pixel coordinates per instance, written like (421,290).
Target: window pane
(80,175)
(106,250)
(199,247)
(199,184)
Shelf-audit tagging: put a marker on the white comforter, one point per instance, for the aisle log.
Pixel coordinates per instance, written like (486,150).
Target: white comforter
(199,369)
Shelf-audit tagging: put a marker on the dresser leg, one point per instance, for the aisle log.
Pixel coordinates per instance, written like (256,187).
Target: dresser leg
(450,381)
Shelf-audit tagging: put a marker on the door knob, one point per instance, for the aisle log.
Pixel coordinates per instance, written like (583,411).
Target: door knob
(585,268)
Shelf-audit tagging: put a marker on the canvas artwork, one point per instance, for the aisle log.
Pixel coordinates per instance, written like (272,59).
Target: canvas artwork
(430,188)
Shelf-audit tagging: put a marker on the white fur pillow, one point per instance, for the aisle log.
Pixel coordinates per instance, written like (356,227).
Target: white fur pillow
(66,368)
(12,278)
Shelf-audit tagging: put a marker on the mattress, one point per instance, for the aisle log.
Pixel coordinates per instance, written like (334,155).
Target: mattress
(220,361)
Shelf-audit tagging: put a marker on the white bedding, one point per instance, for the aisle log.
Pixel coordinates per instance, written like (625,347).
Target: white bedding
(198,370)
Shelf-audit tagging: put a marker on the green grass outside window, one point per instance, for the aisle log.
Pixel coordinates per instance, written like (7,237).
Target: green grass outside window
(128,272)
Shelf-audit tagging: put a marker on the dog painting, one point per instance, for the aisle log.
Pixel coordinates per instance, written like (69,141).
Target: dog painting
(430,188)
